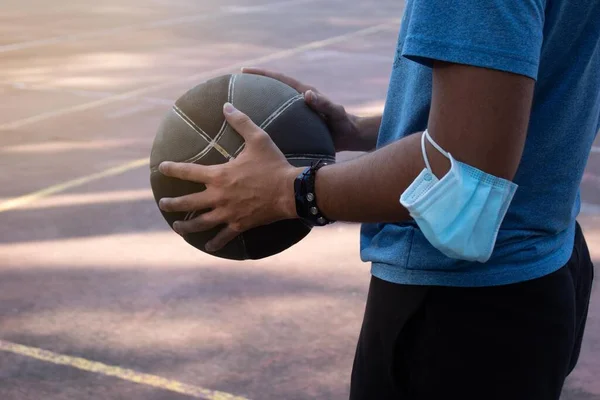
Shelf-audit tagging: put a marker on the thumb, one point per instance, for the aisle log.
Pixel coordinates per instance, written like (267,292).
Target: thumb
(241,123)
(323,105)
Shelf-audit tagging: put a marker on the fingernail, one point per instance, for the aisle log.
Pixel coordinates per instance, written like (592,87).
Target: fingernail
(229,108)
(313,97)
(176,227)
(162,166)
(162,202)
(209,247)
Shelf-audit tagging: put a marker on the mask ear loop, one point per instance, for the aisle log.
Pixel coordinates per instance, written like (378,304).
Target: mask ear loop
(434,144)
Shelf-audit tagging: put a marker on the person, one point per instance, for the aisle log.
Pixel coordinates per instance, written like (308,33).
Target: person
(481,275)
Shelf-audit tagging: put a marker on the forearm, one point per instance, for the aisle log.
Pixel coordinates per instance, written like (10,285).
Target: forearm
(368,188)
(367,132)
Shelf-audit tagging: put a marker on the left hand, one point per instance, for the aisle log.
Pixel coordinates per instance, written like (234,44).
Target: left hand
(256,188)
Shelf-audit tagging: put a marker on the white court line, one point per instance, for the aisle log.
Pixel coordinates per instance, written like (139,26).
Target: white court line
(147,25)
(82,93)
(61,187)
(134,109)
(130,375)
(89,198)
(196,78)
(260,8)
(595,149)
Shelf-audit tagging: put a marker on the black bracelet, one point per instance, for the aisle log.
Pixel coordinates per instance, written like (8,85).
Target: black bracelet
(306,199)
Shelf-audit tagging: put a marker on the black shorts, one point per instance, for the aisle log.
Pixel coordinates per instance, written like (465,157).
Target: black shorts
(516,342)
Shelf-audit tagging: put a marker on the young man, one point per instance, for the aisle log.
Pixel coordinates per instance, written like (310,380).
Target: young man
(481,275)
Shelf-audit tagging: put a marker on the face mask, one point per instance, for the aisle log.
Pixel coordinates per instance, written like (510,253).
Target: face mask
(461,213)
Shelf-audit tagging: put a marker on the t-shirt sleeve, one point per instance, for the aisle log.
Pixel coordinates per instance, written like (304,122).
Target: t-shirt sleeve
(505,35)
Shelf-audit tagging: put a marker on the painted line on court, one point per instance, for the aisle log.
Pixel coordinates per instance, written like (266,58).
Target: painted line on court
(595,149)
(82,93)
(199,77)
(120,169)
(61,187)
(32,197)
(225,10)
(117,372)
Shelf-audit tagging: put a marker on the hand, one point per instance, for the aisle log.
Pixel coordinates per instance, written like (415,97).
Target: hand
(343,126)
(256,188)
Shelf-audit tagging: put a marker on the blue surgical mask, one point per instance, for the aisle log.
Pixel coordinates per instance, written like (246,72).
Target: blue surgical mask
(461,213)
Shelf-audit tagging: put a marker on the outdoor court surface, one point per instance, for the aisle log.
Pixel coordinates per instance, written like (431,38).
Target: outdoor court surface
(99,299)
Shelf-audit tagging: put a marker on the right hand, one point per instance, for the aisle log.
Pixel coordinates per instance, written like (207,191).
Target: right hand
(343,126)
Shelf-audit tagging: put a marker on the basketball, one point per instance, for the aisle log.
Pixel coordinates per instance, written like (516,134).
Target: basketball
(195,131)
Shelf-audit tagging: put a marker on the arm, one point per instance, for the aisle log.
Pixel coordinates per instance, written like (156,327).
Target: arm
(478,115)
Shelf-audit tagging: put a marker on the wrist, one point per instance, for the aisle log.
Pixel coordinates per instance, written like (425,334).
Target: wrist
(365,132)
(356,132)
(305,188)
(287,198)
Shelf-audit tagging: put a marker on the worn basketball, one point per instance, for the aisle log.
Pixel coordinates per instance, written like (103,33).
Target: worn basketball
(195,131)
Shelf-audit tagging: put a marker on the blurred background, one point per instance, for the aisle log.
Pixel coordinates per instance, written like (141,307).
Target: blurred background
(99,299)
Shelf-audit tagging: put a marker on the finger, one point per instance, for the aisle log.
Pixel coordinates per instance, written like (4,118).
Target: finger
(242,123)
(186,171)
(224,236)
(288,80)
(201,223)
(190,202)
(323,105)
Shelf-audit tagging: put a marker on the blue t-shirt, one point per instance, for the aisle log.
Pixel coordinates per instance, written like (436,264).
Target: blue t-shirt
(555,42)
